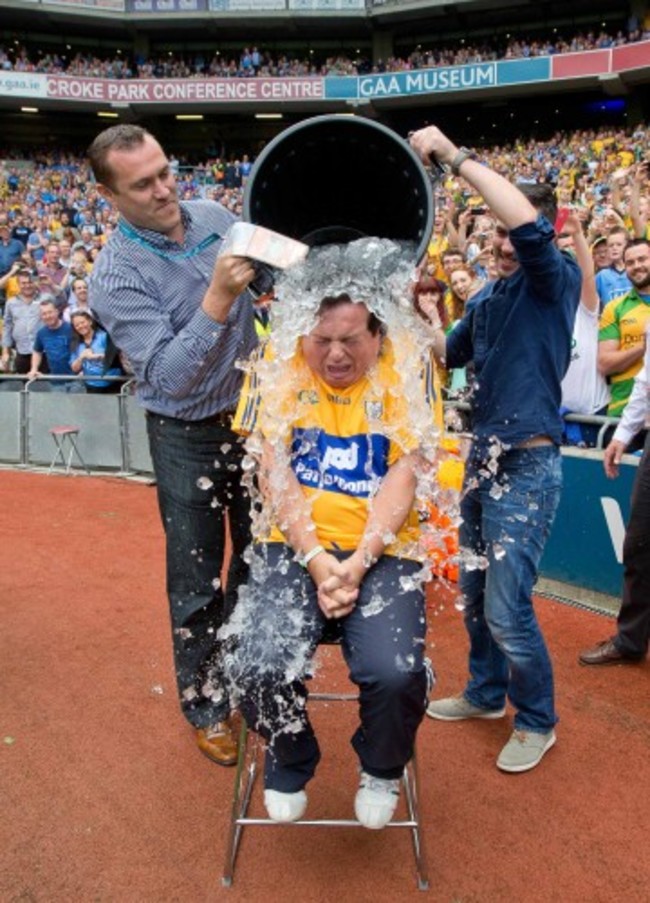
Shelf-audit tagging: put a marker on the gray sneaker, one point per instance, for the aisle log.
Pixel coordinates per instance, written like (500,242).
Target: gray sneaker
(524,750)
(458,708)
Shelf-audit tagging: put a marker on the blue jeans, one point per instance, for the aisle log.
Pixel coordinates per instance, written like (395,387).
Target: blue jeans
(278,624)
(198,473)
(507,519)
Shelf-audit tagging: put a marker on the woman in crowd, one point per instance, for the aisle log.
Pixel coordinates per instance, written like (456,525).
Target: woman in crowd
(463,284)
(94,355)
(429,296)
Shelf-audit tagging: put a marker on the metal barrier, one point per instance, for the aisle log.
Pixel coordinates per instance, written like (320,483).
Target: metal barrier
(112,429)
(603,422)
(583,552)
(113,434)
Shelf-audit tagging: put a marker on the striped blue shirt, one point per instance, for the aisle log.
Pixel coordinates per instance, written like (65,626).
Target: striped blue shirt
(184,361)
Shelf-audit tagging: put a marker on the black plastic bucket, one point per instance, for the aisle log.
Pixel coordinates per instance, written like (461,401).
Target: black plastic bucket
(337,178)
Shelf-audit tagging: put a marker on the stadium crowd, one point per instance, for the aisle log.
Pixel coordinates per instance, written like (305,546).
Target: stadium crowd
(254,62)
(54,224)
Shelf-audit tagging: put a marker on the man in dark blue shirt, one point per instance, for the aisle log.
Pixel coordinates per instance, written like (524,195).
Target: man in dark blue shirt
(517,332)
(10,248)
(53,340)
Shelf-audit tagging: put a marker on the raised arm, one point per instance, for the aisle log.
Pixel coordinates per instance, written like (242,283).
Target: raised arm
(639,222)
(505,201)
(589,296)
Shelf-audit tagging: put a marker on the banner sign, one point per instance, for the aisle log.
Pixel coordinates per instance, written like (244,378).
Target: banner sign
(92,4)
(586,541)
(167,90)
(422,81)
(353,89)
(166,6)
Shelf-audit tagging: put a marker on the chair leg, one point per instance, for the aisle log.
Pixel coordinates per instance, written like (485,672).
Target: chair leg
(75,449)
(58,454)
(411,788)
(246,773)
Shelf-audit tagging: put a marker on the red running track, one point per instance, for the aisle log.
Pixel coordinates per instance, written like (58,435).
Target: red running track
(104,797)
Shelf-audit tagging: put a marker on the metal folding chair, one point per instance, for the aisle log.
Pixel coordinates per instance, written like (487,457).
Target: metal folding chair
(249,765)
(65,440)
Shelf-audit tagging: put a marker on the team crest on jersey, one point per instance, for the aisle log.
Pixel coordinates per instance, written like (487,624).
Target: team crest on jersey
(308,396)
(373,409)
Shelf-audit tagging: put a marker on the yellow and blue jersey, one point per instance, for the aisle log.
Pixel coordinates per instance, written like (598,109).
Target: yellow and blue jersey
(341,442)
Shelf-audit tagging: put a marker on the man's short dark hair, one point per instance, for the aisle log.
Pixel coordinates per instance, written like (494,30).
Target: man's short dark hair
(635,243)
(375,325)
(542,197)
(123,137)
(452,252)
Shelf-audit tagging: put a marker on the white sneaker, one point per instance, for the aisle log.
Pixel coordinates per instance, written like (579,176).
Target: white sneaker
(376,801)
(458,708)
(285,807)
(524,750)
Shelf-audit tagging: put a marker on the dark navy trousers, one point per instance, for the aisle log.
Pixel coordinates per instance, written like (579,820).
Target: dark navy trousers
(383,641)
(200,495)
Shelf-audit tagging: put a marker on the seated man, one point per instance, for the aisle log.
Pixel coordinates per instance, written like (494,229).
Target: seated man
(340,463)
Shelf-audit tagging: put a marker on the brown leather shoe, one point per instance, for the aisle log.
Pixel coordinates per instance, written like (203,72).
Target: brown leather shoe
(219,742)
(606,653)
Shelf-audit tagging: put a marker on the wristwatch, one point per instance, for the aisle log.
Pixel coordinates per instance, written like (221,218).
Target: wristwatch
(463,154)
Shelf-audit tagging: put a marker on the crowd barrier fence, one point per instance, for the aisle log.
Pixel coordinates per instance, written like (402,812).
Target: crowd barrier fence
(112,429)
(583,554)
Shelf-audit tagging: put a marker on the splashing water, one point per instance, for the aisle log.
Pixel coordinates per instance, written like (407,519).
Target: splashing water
(380,273)
(376,605)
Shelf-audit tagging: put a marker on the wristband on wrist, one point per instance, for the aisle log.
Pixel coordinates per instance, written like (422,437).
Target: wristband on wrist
(463,154)
(309,556)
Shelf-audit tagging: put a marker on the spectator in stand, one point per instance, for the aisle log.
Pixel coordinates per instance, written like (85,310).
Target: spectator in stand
(584,389)
(245,168)
(10,248)
(630,643)
(66,229)
(81,264)
(450,259)
(51,272)
(39,239)
(21,230)
(87,240)
(439,241)
(613,281)
(251,63)
(623,327)
(78,297)
(463,285)
(600,256)
(428,299)
(640,202)
(21,323)
(93,355)
(54,341)
(65,253)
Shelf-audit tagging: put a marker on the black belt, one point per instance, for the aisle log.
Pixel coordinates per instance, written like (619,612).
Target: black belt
(221,418)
